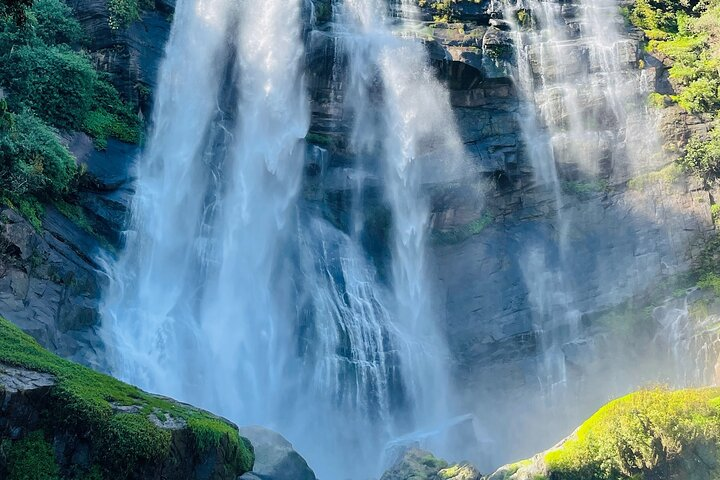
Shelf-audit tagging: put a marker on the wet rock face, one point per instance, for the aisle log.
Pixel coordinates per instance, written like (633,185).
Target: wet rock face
(49,284)
(130,55)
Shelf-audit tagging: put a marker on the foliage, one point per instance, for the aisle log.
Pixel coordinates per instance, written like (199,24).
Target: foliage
(32,458)
(53,23)
(702,155)
(463,232)
(16,10)
(83,400)
(110,117)
(123,13)
(710,281)
(44,74)
(51,86)
(54,81)
(32,159)
(652,430)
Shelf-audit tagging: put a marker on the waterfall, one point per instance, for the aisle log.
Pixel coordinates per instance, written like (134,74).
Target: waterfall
(235,294)
(584,123)
(402,119)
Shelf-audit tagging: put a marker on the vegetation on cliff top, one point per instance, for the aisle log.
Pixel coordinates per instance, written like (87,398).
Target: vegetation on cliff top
(50,86)
(86,401)
(649,434)
(687,34)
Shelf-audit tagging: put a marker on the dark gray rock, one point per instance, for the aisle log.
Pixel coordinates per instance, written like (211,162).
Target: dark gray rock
(49,283)
(275,458)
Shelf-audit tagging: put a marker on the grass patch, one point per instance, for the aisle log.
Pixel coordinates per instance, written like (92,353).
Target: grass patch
(32,458)
(649,431)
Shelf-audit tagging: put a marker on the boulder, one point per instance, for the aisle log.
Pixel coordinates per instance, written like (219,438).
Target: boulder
(275,458)
(417,464)
(106,429)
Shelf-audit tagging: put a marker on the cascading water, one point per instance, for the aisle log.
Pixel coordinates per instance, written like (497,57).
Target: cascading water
(580,95)
(230,292)
(403,120)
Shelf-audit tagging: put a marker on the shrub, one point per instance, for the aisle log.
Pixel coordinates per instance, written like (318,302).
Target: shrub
(53,22)
(54,81)
(111,117)
(123,13)
(702,155)
(32,159)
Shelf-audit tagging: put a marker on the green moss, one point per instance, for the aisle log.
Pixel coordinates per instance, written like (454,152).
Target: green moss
(710,281)
(652,430)
(462,233)
(433,462)
(320,139)
(76,214)
(32,458)
(131,439)
(586,189)
(83,401)
(665,176)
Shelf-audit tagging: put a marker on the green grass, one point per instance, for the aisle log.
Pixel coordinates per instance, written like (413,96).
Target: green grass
(651,430)
(83,399)
(32,458)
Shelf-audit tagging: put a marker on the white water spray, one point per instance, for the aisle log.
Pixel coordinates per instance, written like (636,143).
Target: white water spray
(230,296)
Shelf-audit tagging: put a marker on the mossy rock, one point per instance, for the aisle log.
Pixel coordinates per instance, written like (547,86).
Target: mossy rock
(652,434)
(61,420)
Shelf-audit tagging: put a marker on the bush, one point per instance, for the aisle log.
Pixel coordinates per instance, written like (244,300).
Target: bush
(53,23)
(702,155)
(111,117)
(54,81)
(702,95)
(33,160)
(123,13)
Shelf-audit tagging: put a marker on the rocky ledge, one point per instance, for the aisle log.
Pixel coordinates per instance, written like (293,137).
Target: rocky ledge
(60,420)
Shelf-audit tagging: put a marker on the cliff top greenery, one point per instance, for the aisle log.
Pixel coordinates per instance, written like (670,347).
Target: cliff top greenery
(50,86)
(86,401)
(666,434)
(687,34)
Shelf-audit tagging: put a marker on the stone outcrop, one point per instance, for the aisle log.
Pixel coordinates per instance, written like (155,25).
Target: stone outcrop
(275,458)
(49,284)
(61,420)
(416,464)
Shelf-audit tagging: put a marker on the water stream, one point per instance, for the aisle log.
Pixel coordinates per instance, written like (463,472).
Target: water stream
(235,295)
